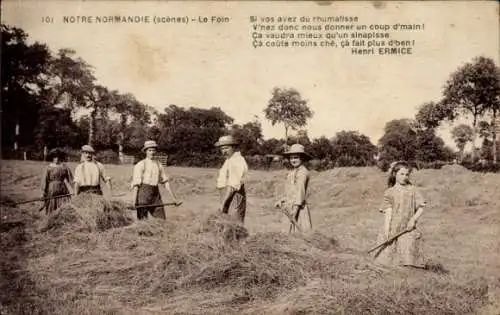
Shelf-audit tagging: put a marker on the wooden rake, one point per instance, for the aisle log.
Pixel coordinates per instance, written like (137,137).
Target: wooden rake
(390,240)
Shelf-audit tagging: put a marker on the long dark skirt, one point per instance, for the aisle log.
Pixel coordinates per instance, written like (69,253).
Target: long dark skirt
(56,188)
(149,195)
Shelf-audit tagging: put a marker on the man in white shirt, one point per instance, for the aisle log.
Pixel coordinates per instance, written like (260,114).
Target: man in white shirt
(89,173)
(232,177)
(147,177)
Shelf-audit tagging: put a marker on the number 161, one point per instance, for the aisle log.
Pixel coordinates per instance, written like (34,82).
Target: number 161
(47,19)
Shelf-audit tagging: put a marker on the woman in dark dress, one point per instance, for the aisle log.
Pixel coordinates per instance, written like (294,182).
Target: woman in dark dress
(54,181)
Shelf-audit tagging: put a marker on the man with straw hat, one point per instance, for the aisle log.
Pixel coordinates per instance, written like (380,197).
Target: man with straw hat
(148,175)
(89,174)
(231,179)
(295,197)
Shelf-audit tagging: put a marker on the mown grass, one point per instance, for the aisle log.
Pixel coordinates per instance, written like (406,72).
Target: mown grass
(92,257)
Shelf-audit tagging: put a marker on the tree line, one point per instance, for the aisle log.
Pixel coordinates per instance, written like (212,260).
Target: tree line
(54,100)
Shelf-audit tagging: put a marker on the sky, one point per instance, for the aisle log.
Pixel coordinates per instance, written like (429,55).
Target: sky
(215,64)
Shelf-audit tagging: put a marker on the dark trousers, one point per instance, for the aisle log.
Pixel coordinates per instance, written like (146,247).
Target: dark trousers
(149,195)
(238,203)
(90,190)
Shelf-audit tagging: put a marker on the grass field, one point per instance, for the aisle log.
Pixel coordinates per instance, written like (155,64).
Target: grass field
(194,263)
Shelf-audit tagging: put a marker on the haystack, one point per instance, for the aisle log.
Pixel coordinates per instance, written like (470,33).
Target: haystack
(87,213)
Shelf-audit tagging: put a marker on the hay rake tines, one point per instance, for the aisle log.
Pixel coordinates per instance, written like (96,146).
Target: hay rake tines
(291,218)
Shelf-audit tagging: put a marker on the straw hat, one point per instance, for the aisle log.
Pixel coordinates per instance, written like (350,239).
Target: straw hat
(226,140)
(149,144)
(297,149)
(88,148)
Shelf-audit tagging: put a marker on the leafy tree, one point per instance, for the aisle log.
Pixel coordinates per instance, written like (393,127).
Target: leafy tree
(399,141)
(430,147)
(321,148)
(23,70)
(287,107)
(302,138)
(249,136)
(350,148)
(71,80)
(190,134)
(461,135)
(431,114)
(473,89)
(127,108)
(56,128)
(272,146)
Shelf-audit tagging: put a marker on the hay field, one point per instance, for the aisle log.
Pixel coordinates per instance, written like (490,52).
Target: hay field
(80,262)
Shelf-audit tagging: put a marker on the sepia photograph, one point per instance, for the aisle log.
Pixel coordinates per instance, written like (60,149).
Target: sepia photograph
(250,157)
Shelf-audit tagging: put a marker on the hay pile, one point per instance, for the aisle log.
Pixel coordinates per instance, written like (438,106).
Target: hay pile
(87,213)
(213,266)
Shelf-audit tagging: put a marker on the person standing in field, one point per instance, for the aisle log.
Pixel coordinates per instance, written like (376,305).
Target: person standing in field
(55,181)
(403,205)
(294,201)
(231,178)
(89,174)
(147,176)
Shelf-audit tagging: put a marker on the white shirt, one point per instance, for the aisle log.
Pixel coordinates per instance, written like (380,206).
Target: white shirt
(149,172)
(89,173)
(233,172)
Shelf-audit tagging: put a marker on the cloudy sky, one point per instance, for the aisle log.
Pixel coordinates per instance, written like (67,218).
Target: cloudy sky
(206,65)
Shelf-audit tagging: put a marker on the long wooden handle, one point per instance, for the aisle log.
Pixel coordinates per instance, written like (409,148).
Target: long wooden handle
(292,219)
(156,205)
(40,199)
(390,240)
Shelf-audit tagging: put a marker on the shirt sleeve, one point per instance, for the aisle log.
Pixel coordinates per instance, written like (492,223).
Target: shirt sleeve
(300,187)
(163,174)
(137,174)
(387,201)
(237,171)
(78,174)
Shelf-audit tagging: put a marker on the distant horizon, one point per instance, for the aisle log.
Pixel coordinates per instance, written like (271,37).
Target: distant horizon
(216,65)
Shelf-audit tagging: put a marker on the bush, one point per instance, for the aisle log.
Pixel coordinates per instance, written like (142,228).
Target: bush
(486,167)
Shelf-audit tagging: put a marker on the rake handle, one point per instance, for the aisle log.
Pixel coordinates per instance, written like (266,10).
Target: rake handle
(40,199)
(156,205)
(390,240)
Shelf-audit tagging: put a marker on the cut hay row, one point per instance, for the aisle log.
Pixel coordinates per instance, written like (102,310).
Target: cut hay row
(93,257)
(214,266)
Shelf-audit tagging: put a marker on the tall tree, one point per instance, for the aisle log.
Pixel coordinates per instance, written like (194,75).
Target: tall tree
(23,70)
(128,108)
(430,147)
(461,135)
(431,114)
(399,141)
(321,148)
(350,148)
(189,134)
(249,136)
(287,107)
(473,89)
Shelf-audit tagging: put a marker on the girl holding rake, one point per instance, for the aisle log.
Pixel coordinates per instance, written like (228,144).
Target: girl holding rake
(403,205)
